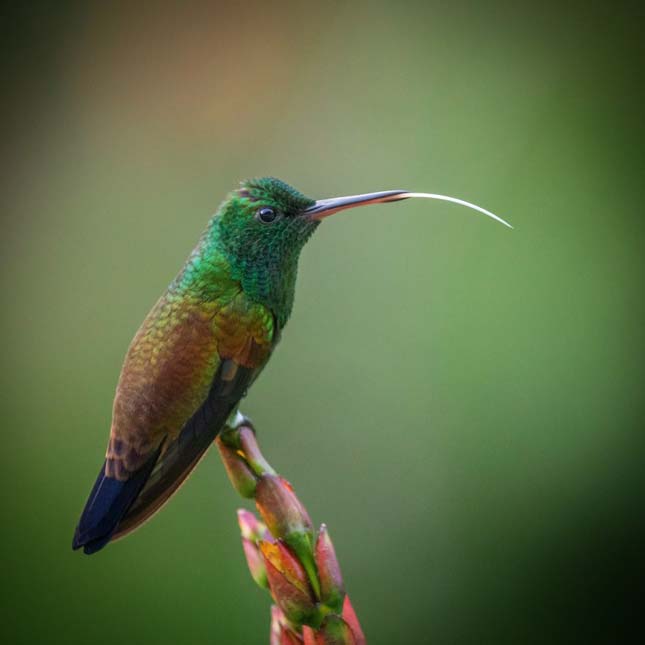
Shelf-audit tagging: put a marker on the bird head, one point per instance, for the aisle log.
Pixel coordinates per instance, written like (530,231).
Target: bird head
(264,225)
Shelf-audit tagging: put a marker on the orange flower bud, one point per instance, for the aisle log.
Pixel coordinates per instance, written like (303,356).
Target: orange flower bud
(288,582)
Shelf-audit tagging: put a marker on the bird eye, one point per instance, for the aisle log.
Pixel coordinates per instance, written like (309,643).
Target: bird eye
(266,215)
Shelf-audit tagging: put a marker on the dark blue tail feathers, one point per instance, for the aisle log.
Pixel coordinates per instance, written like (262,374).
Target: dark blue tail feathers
(107,504)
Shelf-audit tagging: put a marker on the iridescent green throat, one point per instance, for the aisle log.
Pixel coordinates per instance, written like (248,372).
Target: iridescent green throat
(266,262)
(237,250)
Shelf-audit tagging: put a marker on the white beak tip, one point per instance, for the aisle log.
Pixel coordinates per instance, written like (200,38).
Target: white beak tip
(461,202)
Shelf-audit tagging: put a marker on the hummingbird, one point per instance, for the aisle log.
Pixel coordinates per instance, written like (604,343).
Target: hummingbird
(202,346)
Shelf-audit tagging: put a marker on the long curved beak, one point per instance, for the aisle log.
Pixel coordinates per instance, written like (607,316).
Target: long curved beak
(326,207)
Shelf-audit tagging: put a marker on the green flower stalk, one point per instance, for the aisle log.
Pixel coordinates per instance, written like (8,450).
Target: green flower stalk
(285,555)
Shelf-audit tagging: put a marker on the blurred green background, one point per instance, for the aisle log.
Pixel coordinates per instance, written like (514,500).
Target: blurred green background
(461,403)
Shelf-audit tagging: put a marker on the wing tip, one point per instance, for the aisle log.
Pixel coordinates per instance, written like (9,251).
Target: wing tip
(106,506)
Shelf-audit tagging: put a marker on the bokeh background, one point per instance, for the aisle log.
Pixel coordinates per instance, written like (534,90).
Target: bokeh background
(461,403)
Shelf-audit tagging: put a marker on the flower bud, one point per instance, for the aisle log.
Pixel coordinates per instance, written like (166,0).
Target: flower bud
(238,471)
(287,564)
(252,531)
(287,519)
(281,510)
(256,563)
(250,526)
(332,591)
(349,615)
(254,457)
(288,582)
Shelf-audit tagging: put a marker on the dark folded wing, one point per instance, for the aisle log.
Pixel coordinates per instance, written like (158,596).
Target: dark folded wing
(180,456)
